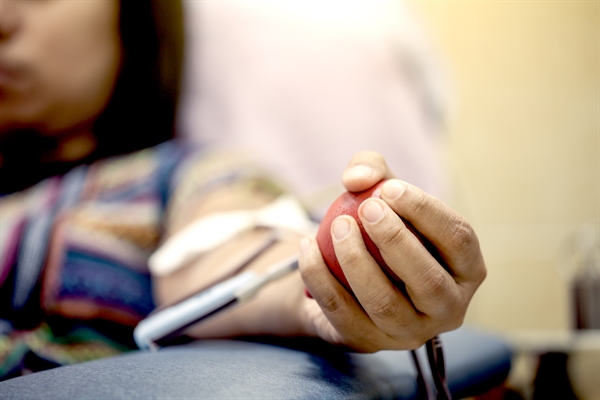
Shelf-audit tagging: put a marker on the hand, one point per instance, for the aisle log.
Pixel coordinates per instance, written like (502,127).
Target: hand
(381,315)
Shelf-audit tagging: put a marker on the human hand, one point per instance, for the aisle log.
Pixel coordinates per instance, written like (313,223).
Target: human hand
(381,315)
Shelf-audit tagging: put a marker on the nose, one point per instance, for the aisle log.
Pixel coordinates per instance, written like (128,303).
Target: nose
(9,19)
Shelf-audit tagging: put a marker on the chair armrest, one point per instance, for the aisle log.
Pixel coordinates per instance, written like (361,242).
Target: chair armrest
(475,362)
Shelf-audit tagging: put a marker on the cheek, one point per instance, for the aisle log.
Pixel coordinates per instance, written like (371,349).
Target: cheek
(78,64)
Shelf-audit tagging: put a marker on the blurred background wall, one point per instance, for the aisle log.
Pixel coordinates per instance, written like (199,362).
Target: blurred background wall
(306,84)
(523,144)
(523,148)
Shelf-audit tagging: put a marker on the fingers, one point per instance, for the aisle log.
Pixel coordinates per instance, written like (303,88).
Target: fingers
(346,322)
(386,305)
(365,170)
(447,230)
(438,268)
(431,288)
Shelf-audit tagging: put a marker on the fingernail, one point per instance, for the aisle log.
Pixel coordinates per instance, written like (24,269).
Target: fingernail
(360,171)
(393,189)
(372,211)
(341,228)
(304,245)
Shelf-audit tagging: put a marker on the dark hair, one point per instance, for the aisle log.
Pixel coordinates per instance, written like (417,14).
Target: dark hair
(142,109)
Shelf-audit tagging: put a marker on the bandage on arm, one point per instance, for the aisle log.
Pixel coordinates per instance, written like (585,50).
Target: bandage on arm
(199,269)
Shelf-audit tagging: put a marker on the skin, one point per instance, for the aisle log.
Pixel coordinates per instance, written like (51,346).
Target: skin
(59,60)
(379,316)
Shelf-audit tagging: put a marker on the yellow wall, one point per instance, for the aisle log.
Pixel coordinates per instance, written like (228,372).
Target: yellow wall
(523,143)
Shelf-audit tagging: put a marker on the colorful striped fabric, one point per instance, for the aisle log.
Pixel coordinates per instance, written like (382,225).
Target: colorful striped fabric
(77,247)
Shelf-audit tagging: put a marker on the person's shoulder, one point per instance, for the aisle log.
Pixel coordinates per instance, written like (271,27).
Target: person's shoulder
(144,170)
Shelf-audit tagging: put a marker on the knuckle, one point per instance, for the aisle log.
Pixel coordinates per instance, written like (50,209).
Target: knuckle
(383,306)
(349,257)
(462,236)
(434,282)
(394,235)
(420,203)
(331,302)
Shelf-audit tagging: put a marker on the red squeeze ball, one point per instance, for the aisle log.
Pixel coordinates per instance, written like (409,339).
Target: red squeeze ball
(347,204)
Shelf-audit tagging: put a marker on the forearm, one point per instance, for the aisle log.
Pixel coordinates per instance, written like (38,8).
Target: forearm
(274,311)
(373,313)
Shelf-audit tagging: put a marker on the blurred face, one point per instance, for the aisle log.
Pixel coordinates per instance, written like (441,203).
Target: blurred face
(59,61)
